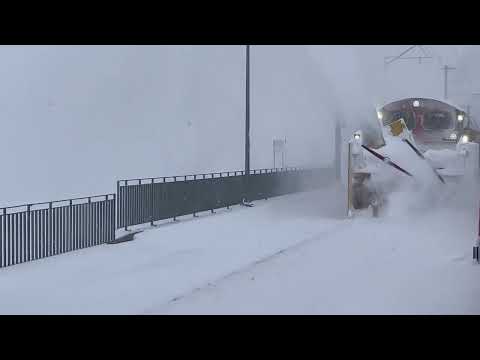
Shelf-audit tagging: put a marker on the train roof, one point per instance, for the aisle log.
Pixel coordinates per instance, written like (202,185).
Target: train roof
(422,98)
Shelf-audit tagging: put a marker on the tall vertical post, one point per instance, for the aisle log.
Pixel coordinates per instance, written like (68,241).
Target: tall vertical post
(247,120)
(274,153)
(349,181)
(338,150)
(445,86)
(446,69)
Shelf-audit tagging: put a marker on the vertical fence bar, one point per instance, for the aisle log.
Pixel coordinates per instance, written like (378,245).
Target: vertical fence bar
(24,239)
(93,214)
(89,223)
(76,227)
(10,239)
(54,239)
(21,234)
(85,225)
(4,240)
(125,204)
(49,229)
(34,234)
(97,224)
(1,242)
(81,219)
(82,236)
(17,239)
(118,204)
(70,227)
(105,217)
(27,235)
(21,231)
(44,232)
(152,210)
(60,229)
(112,225)
(64,230)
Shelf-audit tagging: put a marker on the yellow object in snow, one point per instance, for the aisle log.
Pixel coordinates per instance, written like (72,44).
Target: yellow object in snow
(397,127)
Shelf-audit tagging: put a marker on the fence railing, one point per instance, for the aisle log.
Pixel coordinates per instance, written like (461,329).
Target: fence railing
(141,201)
(38,230)
(34,231)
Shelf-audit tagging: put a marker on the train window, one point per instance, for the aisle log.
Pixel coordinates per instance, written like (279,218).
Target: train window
(394,116)
(437,120)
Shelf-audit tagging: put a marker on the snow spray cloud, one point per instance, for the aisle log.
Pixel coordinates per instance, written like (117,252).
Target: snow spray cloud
(76,118)
(360,82)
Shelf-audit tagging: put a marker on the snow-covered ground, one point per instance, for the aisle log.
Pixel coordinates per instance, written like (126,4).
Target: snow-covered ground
(356,269)
(293,254)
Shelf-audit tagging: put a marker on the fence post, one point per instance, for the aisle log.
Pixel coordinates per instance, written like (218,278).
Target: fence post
(125,206)
(90,218)
(49,227)
(113,228)
(476,246)
(338,150)
(195,182)
(71,245)
(152,203)
(118,204)
(3,236)
(28,237)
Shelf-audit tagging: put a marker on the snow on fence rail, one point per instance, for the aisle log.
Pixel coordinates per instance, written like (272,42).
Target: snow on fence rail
(34,231)
(153,199)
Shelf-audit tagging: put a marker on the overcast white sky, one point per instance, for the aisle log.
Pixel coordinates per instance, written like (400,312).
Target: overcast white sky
(76,118)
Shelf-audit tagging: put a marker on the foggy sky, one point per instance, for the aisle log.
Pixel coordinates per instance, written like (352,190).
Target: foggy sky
(77,118)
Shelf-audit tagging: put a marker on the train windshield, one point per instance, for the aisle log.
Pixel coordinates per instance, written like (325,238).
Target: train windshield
(407,116)
(437,120)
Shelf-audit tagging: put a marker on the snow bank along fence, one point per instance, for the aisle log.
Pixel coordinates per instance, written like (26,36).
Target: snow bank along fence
(153,199)
(34,231)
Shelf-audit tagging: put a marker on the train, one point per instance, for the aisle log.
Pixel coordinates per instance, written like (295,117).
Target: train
(435,130)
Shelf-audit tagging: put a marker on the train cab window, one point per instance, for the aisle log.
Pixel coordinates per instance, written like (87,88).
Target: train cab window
(405,115)
(437,120)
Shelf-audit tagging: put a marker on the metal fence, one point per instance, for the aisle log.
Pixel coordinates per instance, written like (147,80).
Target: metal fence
(152,199)
(38,230)
(33,231)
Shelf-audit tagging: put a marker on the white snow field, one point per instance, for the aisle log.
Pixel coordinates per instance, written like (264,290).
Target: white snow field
(295,254)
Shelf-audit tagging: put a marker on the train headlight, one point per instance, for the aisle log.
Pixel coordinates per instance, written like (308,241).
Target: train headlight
(453,136)
(416,103)
(379,115)
(464,139)
(460,117)
(356,136)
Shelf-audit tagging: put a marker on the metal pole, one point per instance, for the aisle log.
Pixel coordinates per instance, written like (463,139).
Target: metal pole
(446,69)
(445,93)
(247,120)
(273,153)
(349,181)
(338,150)
(247,114)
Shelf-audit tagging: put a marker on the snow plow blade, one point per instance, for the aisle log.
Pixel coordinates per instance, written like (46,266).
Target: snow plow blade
(386,160)
(420,155)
